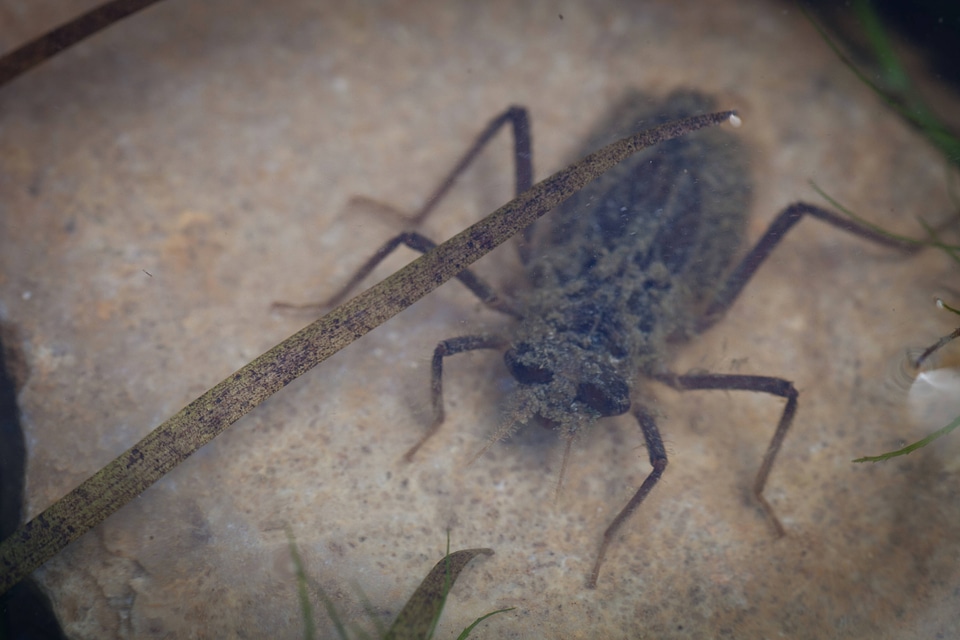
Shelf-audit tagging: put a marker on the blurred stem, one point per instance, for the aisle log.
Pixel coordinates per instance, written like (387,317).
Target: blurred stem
(899,95)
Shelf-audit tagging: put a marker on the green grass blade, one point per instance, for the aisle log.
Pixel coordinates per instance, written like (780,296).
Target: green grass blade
(306,610)
(447,584)
(332,614)
(950,250)
(910,108)
(894,74)
(933,242)
(423,608)
(913,447)
(371,611)
(466,632)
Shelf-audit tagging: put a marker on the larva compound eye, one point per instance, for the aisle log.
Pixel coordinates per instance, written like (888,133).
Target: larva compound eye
(524,372)
(609,396)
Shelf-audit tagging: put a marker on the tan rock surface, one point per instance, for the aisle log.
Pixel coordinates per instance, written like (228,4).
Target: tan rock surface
(166,181)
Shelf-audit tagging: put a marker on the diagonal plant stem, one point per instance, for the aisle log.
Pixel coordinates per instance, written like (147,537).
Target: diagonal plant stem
(199,422)
(35,52)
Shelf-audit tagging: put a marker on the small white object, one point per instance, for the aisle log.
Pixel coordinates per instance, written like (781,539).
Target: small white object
(934,402)
(934,397)
(735,120)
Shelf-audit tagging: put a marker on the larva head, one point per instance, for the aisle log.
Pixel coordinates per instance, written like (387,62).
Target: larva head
(565,383)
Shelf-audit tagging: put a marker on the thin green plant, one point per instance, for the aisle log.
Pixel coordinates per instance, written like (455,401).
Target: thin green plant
(951,251)
(901,97)
(939,433)
(419,617)
(933,241)
(898,92)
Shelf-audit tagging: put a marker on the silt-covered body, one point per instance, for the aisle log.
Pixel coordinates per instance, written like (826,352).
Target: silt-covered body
(627,265)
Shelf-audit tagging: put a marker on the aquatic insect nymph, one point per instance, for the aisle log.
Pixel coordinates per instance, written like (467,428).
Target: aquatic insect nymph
(637,261)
